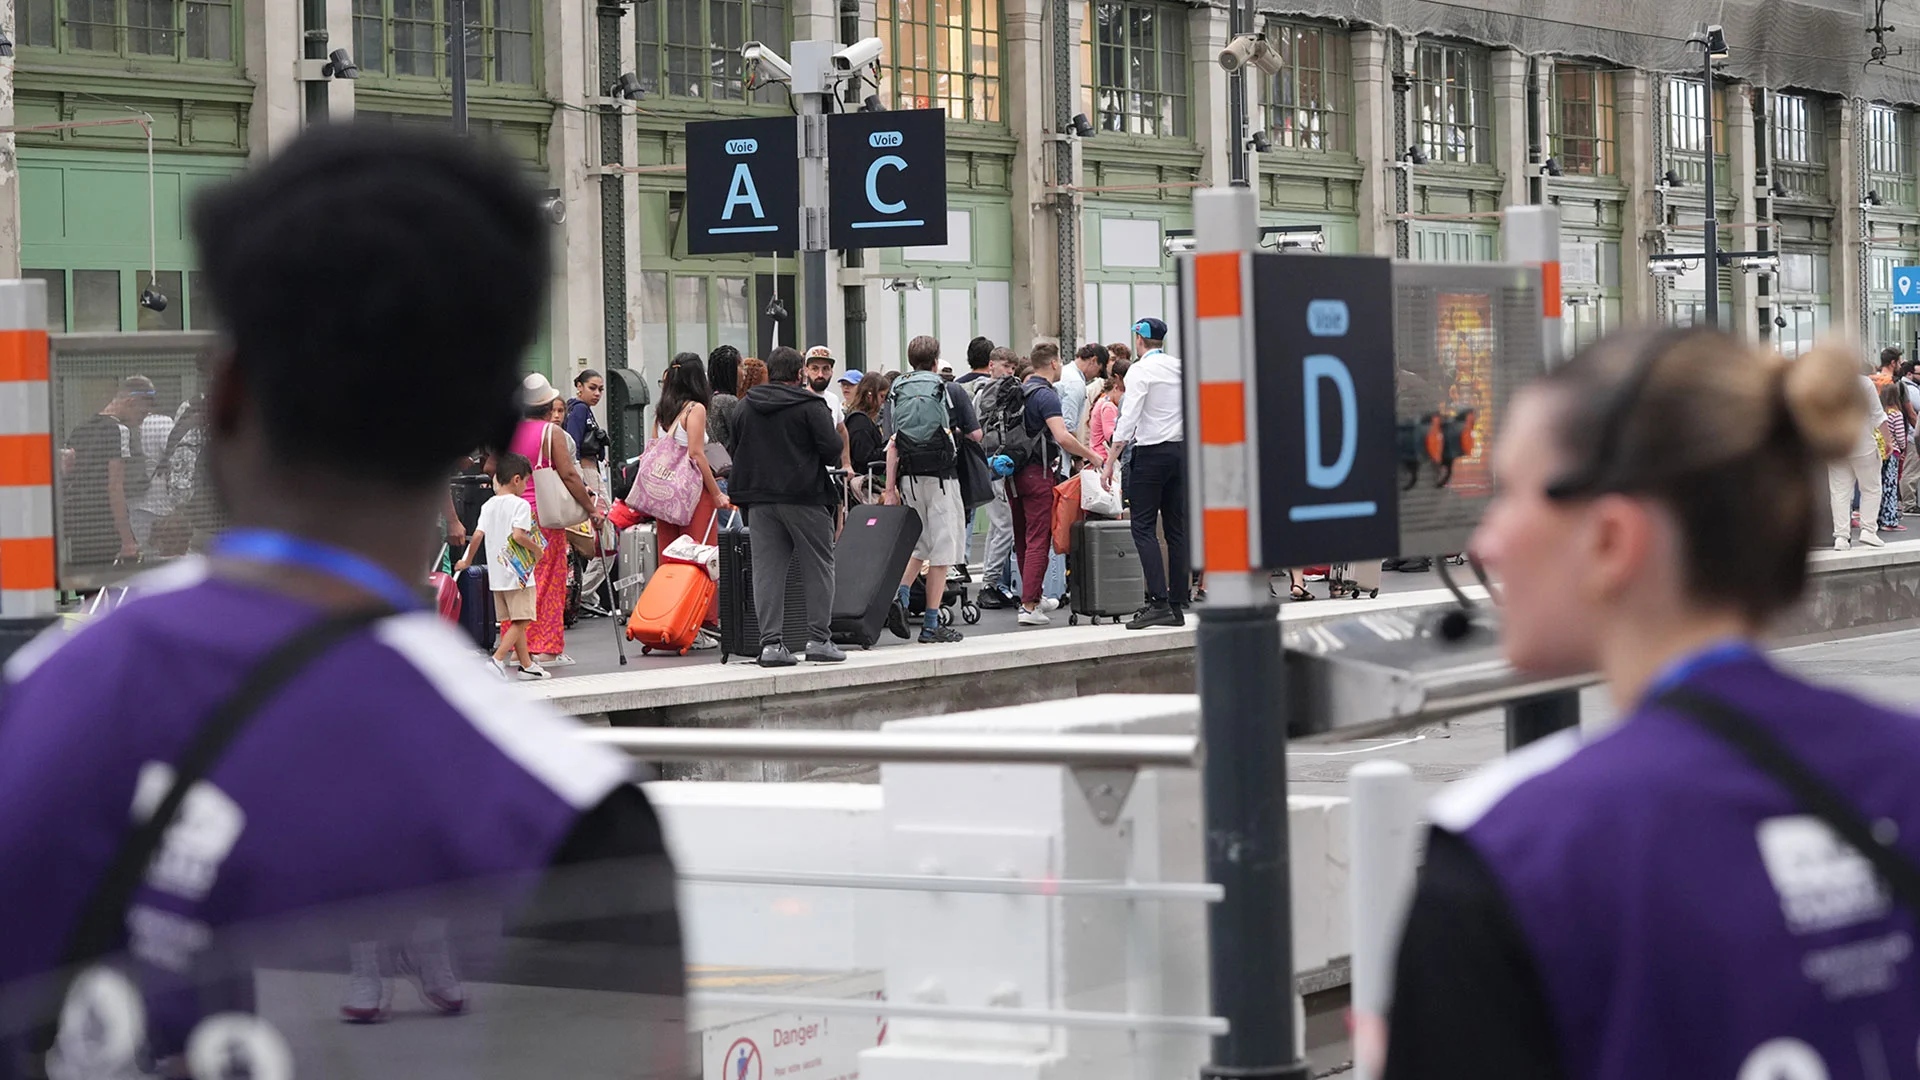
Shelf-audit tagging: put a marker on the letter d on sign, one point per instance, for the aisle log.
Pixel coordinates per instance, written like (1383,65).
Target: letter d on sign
(1313,369)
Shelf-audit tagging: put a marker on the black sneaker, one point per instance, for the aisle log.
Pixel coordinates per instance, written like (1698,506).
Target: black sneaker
(897,620)
(1156,613)
(777,655)
(824,652)
(940,635)
(994,599)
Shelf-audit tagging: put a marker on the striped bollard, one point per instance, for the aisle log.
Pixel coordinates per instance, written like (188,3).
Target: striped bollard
(1531,235)
(27,563)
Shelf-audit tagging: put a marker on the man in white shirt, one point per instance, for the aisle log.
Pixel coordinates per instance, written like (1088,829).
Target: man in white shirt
(1152,424)
(819,372)
(1072,389)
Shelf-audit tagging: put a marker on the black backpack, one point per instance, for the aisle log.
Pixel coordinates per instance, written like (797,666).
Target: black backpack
(1003,423)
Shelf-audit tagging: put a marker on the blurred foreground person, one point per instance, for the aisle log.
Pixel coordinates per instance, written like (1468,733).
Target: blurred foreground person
(331,762)
(1722,883)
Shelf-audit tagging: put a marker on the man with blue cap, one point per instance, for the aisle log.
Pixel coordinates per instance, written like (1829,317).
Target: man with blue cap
(1152,424)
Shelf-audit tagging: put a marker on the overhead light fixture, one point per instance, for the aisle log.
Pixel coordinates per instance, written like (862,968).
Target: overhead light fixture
(1716,43)
(1780,321)
(1669,181)
(628,86)
(1259,141)
(151,297)
(1083,127)
(1414,155)
(873,104)
(340,65)
(1551,167)
(6,44)
(553,207)
(904,284)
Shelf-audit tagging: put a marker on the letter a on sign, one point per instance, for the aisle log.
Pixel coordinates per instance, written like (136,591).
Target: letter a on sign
(742,193)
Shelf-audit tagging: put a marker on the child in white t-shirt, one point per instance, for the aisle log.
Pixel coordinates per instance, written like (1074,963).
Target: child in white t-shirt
(512,547)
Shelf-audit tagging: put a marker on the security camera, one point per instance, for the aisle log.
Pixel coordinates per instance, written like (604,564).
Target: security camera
(1760,264)
(152,298)
(1250,49)
(553,207)
(340,65)
(776,310)
(857,55)
(6,44)
(764,65)
(628,86)
(1780,321)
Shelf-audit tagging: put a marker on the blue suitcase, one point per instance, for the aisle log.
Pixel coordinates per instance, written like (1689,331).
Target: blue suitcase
(476,608)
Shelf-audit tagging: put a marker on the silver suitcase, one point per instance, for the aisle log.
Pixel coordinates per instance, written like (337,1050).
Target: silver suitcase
(639,556)
(1356,579)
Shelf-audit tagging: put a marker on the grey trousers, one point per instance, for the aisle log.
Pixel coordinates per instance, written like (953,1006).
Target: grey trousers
(999,539)
(1910,476)
(783,532)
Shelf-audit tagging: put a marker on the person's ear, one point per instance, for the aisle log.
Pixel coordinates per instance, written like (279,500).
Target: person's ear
(226,395)
(1618,542)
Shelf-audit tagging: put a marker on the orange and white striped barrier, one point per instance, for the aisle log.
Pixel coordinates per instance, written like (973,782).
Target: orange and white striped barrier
(27,563)
(1217,304)
(1531,235)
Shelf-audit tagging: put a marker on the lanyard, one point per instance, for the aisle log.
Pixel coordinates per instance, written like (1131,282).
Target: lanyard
(278,548)
(1153,352)
(1720,653)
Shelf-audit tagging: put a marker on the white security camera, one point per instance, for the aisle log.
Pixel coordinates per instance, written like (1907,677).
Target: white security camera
(764,65)
(1250,49)
(856,56)
(1760,264)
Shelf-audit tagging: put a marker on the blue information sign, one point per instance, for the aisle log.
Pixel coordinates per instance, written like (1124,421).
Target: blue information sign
(1906,290)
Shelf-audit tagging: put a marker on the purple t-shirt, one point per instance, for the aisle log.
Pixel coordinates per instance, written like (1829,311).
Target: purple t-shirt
(396,765)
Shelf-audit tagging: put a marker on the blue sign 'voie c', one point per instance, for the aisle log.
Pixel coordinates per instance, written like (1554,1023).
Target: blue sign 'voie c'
(743,186)
(887,179)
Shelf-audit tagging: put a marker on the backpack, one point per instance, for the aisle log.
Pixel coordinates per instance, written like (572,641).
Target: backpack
(1003,422)
(920,422)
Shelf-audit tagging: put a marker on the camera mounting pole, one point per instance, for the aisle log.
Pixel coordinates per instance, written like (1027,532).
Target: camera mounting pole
(813,85)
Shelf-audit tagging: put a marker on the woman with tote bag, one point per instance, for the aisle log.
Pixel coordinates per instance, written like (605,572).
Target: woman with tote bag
(560,500)
(678,487)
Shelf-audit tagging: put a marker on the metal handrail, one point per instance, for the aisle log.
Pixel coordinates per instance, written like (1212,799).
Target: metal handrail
(1109,890)
(974,748)
(1167,1025)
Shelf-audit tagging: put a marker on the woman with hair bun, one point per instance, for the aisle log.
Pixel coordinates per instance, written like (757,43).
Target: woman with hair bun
(1669,898)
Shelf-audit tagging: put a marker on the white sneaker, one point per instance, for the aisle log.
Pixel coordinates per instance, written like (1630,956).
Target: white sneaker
(1841,543)
(1870,538)
(1049,603)
(705,639)
(556,660)
(535,673)
(1036,617)
(428,962)
(499,668)
(368,994)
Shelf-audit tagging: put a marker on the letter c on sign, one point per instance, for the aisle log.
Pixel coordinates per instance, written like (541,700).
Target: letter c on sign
(873,192)
(1314,368)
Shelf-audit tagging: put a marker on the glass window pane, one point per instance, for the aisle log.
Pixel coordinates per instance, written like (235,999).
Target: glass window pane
(56,297)
(653,322)
(200,302)
(174,317)
(690,314)
(96,300)
(735,323)
(369,36)
(36,22)
(91,25)
(150,27)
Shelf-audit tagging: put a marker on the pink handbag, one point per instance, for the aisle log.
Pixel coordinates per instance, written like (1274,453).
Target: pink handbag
(668,483)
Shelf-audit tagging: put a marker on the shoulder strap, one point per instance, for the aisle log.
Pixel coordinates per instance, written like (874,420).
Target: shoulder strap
(103,920)
(1874,841)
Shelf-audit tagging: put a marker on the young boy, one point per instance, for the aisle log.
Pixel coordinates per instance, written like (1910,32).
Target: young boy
(506,528)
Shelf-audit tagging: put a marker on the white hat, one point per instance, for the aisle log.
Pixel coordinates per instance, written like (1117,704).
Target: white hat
(535,391)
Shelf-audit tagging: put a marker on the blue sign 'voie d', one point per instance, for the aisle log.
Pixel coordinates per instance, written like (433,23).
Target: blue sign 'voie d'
(887,179)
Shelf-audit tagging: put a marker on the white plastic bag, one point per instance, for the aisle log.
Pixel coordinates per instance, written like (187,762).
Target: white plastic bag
(1095,499)
(686,549)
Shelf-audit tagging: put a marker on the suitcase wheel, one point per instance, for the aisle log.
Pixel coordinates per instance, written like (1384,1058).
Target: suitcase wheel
(1073,618)
(946,616)
(646,650)
(970,612)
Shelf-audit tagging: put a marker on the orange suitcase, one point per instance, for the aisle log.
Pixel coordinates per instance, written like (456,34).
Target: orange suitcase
(667,615)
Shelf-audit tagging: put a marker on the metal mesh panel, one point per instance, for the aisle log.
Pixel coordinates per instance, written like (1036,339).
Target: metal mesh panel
(1464,337)
(131,484)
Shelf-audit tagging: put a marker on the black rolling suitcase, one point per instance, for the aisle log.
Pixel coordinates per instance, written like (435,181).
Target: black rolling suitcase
(470,493)
(739,619)
(1104,577)
(867,568)
(476,607)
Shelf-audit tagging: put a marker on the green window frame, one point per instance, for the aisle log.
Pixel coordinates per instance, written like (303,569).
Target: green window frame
(690,49)
(1309,102)
(1798,125)
(407,39)
(1686,104)
(176,31)
(1454,98)
(941,54)
(1584,127)
(1890,153)
(1135,54)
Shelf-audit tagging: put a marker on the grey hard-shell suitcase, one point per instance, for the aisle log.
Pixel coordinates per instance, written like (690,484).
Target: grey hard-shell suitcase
(639,557)
(1104,578)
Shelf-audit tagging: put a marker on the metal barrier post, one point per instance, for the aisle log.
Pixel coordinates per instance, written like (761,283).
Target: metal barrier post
(1384,854)
(1242,715)
(26,465)
(1531,234)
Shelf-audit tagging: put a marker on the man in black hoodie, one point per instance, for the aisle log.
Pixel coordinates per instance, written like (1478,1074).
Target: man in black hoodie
(783,444)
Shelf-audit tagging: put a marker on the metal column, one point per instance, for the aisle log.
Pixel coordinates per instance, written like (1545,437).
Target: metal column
(1242,721)
(1239,21)
(314,14)
(457,61)
(613,200)
(853,298)
(812,62)
(1066,213)
(1712,229)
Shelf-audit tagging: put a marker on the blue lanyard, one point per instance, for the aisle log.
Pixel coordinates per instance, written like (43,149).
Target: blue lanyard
(1153,352)
(271,546)
(1730,651)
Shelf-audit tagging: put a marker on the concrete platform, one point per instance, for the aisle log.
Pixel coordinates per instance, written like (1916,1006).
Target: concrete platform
(1863,591)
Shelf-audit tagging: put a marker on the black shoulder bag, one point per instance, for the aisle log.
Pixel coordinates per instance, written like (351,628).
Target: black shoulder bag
(102,923)
(1734,728)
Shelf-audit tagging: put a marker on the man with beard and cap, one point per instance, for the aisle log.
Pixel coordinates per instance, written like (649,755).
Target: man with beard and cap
(819,377)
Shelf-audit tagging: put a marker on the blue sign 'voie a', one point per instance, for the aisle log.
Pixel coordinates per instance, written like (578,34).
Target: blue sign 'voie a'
(743,186)
(887,179)
(1324,389)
